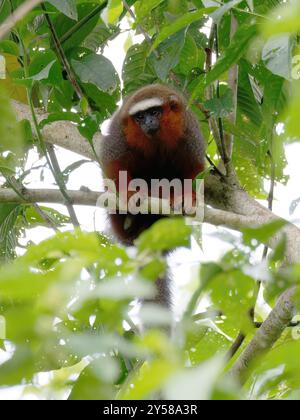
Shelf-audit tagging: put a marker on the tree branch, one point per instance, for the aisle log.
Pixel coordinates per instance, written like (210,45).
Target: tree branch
(233,84)
(267,335)
(60,133)
(62,56)
(82,197)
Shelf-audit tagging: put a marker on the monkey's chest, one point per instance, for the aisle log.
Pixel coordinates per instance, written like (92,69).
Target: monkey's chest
(160,165)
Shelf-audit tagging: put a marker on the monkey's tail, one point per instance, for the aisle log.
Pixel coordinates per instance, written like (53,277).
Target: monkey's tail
(127,229)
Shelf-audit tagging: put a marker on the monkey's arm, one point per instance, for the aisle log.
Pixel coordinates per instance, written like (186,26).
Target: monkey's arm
(115,158)
(193,159)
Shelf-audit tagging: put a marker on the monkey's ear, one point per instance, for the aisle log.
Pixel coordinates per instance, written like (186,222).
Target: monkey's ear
(174,102)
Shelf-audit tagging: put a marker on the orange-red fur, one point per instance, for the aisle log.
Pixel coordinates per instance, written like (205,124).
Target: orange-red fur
(170,133)
(136,138)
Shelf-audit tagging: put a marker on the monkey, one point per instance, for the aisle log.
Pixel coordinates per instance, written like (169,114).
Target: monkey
(153,135)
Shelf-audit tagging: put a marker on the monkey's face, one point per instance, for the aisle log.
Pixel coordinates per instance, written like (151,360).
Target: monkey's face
(153,121)
(149,120)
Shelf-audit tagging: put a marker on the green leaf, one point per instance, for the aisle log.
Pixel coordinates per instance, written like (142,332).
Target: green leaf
(196,383)
(9,232)
(19,368)
(144,8)
(33,217)
(210,343)
(283,19)
(90,386)
(10,131)
(59,116)
(189,57)
(137,70)
(292,113)
(263,234)
(18,283)
(2,328)
(154,269)
(218,14)
(234,293)
(71,168)
(45,67)
(67,7)
(248,104)
(234,52)
(182,23)
(44,74)
(220,107)
(148,379)
(76,243)
(104,103)
(114,10)
(277,55)
(9,47)
(169,55)
(164,235)
(100,36)
(98,70)
(67,32)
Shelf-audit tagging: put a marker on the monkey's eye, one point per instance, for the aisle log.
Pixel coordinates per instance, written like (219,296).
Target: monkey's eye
(139,116)
(155,112)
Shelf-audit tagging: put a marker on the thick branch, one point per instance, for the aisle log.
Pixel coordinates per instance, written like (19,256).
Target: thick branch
(60,133)
(267,335)
(226,194)
(84,198)
(90,198)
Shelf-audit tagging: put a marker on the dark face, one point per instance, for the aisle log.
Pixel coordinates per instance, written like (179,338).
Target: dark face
(149,120)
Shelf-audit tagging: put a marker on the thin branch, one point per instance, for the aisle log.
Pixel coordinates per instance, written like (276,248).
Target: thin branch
(209,94)
(225,155)
(19,191)
(51,159)
(207,315)
(291,324)
(271,193)
(16,16)
(267,335)
(59,177)
(236,346)
(233,84)
(62,56)
(140,28)
(214,166)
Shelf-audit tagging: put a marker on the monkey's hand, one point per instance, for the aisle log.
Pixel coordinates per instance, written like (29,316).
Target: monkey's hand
(156,205)
(185,204)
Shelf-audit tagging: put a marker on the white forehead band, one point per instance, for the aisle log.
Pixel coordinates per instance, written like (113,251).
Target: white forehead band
(145,104)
